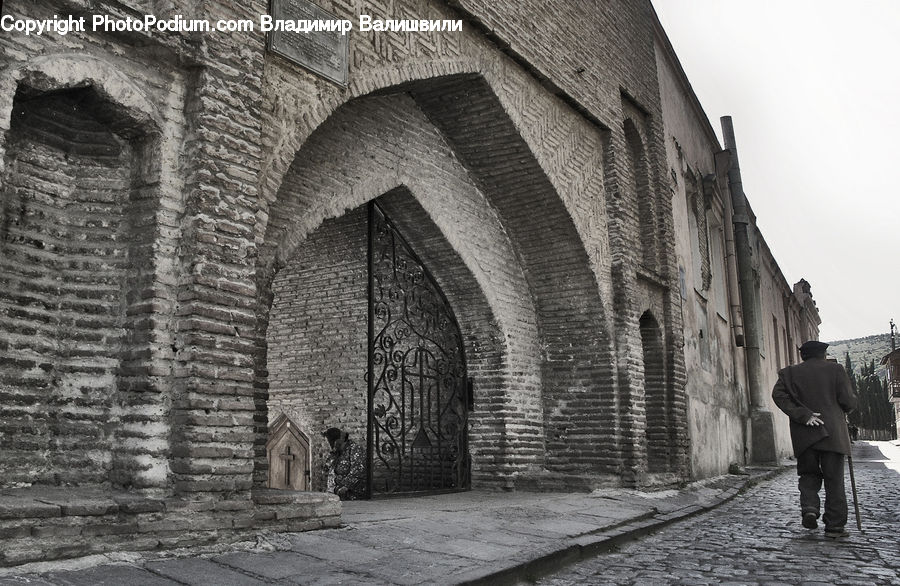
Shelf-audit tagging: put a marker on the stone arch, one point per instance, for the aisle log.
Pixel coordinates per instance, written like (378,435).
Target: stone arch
(553,397)
(287,139)
(79,206)
(419,210)
(561,139)
(656,397)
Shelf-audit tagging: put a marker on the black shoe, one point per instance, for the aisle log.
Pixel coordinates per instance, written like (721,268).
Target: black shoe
(809,520)
(835,532)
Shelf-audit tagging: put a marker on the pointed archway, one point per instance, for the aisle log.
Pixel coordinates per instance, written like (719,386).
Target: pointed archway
(536,336)
(318,347)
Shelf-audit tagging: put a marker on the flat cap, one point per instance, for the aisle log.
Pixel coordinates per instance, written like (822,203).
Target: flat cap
(813,347)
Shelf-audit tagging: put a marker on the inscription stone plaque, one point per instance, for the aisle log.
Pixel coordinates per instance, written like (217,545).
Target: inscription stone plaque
(325,53)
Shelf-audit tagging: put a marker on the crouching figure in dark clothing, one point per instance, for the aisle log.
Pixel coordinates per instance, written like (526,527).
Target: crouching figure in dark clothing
(816,395)
(346,466)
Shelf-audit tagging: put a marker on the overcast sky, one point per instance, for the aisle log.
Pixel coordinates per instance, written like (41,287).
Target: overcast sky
(813,88)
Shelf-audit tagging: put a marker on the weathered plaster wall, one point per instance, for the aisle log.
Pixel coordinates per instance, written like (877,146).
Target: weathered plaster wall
(787,323)
(716,384)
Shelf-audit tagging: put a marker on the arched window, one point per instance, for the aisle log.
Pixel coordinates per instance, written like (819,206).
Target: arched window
(646,206)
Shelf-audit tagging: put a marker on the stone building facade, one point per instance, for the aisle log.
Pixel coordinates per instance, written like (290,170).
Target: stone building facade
(742,322)
(186,268)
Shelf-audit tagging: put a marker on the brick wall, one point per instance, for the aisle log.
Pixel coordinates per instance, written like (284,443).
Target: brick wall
(498,150)
(218,328)
(213,399)
(148,117)
(77,234)
(612,75)
(568,108)
(63,245)
(317,336)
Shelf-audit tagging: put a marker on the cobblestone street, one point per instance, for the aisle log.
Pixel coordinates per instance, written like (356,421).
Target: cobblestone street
(757,539)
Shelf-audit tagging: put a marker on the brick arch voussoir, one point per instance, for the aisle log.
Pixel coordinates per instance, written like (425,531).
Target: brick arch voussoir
(305,122)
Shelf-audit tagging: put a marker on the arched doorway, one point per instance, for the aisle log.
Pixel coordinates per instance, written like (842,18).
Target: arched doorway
(358,297)
(658,425)
(505,250)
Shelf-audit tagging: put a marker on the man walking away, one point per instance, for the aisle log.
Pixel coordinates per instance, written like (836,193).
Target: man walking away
(816,394)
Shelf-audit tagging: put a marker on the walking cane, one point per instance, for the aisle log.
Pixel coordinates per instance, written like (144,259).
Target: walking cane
(853,488)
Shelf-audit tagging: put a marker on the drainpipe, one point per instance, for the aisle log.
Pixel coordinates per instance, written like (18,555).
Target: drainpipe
(762,424)
(723,161)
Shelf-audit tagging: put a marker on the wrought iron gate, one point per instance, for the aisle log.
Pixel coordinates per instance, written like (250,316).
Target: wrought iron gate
(418,400)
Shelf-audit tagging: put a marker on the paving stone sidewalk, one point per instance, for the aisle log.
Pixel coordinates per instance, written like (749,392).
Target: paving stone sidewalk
(757,539)
(463,538)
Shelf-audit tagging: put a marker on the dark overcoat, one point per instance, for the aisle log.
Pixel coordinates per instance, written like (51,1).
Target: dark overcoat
(816,385)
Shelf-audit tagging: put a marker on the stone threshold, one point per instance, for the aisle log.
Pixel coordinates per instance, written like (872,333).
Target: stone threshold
(48,523)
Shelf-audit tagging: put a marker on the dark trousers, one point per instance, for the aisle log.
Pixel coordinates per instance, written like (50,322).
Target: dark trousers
(815,467)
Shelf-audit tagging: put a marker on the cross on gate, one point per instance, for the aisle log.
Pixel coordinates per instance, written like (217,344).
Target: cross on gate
(287,457)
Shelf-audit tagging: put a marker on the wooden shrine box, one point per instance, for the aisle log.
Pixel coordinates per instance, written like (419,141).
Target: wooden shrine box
(288,454)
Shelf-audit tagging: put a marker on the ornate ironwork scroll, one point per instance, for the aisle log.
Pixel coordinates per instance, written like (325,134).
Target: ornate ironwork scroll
(417,373)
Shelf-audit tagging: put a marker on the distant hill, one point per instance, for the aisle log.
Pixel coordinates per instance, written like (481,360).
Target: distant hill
(862,350)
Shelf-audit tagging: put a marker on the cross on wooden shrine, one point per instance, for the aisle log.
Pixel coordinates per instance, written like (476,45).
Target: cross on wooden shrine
(288,457)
